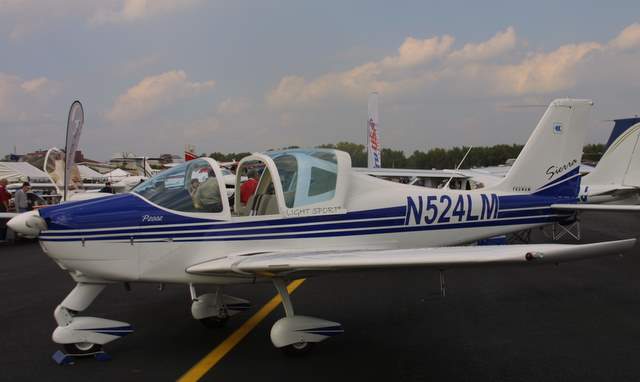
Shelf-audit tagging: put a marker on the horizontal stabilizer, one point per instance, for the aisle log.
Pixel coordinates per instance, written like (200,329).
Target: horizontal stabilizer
(309,263)
(597,207)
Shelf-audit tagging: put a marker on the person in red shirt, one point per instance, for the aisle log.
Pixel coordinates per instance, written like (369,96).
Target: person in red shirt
(248,188)
(5,196)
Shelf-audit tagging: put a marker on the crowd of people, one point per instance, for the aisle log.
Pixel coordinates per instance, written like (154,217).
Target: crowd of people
(21,202)
(20,198)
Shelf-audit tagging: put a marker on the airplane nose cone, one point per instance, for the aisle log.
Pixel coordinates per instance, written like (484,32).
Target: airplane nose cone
(27,224)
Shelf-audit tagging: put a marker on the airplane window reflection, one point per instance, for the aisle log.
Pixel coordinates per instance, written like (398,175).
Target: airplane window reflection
(190,187)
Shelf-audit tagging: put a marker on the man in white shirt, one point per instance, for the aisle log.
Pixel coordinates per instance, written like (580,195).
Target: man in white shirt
(20,198)
(207,195)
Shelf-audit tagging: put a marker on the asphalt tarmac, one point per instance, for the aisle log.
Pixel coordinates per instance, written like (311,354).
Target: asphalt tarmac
(574,322)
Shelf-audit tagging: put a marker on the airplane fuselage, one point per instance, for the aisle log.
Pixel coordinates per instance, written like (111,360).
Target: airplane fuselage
(127,238)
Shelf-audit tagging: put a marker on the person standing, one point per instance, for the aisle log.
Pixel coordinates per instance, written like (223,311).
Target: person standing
(20,198)
(107,188)
(5,196)
(248,188)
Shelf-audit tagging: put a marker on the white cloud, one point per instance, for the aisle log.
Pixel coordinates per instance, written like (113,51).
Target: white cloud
(153,93)
(364,78)
(414,52)
(497,45)
(543,72)
(22,18)
(232,106)
(499,66)
(24,100)
(134,10)
(40,86)
(629,38)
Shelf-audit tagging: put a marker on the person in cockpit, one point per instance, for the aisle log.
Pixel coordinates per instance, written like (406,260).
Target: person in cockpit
(207,196)
(193,186)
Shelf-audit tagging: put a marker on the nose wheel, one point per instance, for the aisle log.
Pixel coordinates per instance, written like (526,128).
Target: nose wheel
(82,348)
(82,336)
(298,349)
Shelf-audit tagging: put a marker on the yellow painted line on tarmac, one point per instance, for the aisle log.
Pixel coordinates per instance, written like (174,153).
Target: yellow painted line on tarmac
(211,359)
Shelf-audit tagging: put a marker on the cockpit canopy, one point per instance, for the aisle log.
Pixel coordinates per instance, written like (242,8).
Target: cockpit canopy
(307,177)
(290,182)
(190,187)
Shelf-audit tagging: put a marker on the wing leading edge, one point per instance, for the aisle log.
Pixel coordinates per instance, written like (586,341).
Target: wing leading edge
(274,264)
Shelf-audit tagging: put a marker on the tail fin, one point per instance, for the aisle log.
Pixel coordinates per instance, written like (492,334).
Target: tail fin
(620,126)
(620,164)
(553,152)
(189,152)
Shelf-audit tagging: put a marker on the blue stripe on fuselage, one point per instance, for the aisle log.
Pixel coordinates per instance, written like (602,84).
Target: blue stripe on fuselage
(379,213)
(126,211)
(307,234)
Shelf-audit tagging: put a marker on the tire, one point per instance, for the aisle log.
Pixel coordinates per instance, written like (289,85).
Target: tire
(82,348)
(214,322)
(298,349)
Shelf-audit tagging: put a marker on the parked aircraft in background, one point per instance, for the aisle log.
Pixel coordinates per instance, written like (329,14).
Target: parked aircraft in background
(615,179)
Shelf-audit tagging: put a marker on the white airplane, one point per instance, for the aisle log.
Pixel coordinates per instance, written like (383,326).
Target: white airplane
(311,214)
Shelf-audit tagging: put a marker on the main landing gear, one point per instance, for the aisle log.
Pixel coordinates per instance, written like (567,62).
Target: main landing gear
(83,336)
(214,309)
(295,335)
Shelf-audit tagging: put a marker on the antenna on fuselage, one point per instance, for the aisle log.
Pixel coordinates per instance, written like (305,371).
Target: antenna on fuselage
(458,167)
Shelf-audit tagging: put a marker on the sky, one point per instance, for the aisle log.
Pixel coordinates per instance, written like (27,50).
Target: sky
(238,75)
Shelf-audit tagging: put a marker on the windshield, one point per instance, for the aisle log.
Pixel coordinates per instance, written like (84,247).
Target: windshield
(189,187)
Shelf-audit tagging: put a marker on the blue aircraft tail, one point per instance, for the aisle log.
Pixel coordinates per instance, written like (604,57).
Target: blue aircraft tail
(620,126)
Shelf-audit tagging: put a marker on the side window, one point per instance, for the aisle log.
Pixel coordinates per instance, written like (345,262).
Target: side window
(307,177)
(190,187)
(288,170)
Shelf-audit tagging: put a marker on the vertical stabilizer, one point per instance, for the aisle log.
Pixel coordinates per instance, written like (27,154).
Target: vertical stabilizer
(620,126)
(189,152)
(549,162)
(620,164)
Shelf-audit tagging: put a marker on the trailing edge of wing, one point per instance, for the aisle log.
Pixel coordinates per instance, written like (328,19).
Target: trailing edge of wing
(597,207)
(284,263)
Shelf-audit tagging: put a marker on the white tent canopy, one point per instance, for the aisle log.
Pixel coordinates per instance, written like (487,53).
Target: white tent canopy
(116,175)
(16,172)
(88,173)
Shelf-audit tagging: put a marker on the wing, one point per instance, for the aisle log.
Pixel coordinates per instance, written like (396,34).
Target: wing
(597,207)
(274,264)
